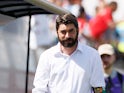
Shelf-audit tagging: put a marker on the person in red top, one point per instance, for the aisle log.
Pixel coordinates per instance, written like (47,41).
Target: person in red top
(103,22)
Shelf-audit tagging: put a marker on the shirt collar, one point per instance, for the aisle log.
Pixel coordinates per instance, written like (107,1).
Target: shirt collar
(80,46)
(58,50)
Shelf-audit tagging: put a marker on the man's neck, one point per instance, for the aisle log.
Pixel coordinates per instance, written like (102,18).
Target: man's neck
(108,71)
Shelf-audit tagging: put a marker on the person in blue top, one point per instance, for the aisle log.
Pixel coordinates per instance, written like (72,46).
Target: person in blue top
(114,79)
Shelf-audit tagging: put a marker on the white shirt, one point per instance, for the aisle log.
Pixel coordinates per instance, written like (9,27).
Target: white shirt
(77,73)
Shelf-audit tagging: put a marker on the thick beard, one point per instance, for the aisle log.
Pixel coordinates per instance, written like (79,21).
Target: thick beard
(69,42)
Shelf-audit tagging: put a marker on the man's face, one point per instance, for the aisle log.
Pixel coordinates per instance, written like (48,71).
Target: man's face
(107,60)
(114,8)
(67,35)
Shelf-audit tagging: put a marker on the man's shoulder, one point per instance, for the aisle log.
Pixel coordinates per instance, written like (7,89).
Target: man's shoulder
(51,50)
(89,48)
(119,75)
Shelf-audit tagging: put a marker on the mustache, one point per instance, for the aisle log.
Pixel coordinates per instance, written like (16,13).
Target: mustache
(68,39)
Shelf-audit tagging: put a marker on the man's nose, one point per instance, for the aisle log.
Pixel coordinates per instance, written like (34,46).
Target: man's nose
(105,58)
(67,34)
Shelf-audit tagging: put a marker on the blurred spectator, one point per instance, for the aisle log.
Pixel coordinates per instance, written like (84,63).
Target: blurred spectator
(120,45)
(41,37)
(120,33)
(73,6)
(41,32)
(82,18)
(102,25)
(83,21)
(57,2)
(102,5)
(114,79)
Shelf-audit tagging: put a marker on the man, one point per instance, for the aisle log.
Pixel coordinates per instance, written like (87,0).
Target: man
(69,67)
(114,80)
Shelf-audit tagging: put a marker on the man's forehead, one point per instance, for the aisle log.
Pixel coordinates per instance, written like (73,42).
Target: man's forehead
(67,26)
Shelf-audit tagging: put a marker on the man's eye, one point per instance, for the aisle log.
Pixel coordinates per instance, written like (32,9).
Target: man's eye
(63,32)
(71,31)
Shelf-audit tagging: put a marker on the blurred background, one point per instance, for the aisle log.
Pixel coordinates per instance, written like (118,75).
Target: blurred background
(14,36)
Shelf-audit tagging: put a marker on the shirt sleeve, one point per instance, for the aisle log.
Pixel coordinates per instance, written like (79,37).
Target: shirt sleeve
(97,77)
(42,75)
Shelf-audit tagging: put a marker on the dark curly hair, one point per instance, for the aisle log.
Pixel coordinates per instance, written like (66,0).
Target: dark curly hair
(66,19)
